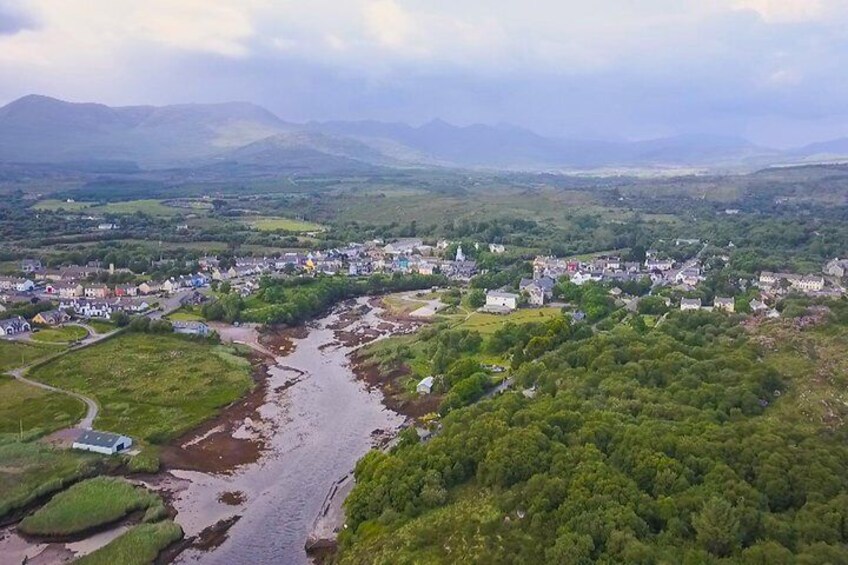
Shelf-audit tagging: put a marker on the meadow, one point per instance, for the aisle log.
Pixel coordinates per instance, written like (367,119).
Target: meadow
(284,224)
(149,386)
(14,354)
(35,410)
(88,504)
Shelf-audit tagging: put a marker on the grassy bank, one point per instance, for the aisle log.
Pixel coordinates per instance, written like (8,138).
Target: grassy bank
(149,386)
(35,410)
(139,546)
(30,470)
(87,505)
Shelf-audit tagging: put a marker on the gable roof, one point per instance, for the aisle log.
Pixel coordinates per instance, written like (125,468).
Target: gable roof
(99,439)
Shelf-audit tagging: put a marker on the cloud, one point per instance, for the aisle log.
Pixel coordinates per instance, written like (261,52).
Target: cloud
(13,19)
(784,11)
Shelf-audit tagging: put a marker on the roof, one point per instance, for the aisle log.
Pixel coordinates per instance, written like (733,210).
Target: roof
(691,301)
(500,294)
(99,439)
(426,381)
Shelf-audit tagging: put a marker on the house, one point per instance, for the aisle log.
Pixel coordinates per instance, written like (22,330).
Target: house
(194,298)
(51,318)
(102,442)
(107,227)
(190,328)
(659,264)
(17,284)
(496,248)
(126,290)
(502,302)
(170,286)
(31,265)
(687,304)
(64,289)
(149,287)
(87,308)
(535,295)
(757,305)
(96,291)
(14,326)
(403,246)
(425,386)
(725,304)
(836,268)
(811,283)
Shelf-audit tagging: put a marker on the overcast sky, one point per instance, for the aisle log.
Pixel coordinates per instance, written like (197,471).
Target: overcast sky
(770,70)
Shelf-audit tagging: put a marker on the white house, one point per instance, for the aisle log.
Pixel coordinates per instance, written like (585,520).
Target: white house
(811,283)
(501,301)
(690,304)
(14,326)
(725,304)
(190,328)
(496,248)
(102,442)
(425,386)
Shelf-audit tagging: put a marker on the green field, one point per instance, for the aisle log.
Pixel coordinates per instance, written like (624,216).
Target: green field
(31,469)
(86,505)
(51,205)
(286,224)
(184,316)
(64,334)
(149,386)
(490,323)
(149,207)
(14,354)
(101,326)
(36,410)
(139,546)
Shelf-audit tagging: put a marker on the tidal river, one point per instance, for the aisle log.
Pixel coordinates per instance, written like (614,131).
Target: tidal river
(317,420)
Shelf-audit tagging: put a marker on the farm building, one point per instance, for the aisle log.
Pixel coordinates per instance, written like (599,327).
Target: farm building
(425,386)
(497,301)
(102,442)
(190,328)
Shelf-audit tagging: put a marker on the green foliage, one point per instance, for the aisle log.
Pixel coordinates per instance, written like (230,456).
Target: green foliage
(477,298)
(87,505)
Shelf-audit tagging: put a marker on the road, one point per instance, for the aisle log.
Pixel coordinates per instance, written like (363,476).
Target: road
(91,406)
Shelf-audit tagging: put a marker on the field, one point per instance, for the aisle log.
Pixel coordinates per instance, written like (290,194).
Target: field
(64,334)
(149,207)
(101,326)
(31,469)
(150,387)
(56,205)
(286,224)
(86,505)
(35,410)
(139,546)
(489,323)
(184,316)
(15,354)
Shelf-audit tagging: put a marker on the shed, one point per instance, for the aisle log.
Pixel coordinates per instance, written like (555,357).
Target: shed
(102,442)
(425,386)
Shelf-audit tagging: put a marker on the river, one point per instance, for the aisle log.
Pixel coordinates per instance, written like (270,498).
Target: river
(321,425)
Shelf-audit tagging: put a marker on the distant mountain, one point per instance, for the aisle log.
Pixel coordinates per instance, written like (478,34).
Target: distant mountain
(825,149)
(39,129)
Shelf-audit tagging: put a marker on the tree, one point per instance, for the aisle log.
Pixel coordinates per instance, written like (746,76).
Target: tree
(717,527)
(477,298)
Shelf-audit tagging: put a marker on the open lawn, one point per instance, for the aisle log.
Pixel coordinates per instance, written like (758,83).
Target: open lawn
(36,410)
(32,469)
(286,224)
(86,505)
(14,354)
(185,316)
(101,326)
(490,323)
(139,546)
(64,334)
(149,207)
(150,386)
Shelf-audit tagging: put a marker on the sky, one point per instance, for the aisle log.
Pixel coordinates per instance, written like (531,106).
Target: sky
(772,71)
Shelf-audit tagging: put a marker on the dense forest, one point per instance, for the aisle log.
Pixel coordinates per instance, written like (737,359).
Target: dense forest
(679,444)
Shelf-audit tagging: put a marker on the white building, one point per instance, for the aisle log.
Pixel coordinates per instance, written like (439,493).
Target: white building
(102,442)
(687,304)
(497,301)
(725,304)
(496,248)
(425,386)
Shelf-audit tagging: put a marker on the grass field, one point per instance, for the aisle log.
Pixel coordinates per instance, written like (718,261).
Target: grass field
(139,546)
(149,386)
(31,469)
(86,505)
(287,224)
(15,354)
(149,207)
(51,205)
(184,316)
(36,410)
(64,334)
(489,323)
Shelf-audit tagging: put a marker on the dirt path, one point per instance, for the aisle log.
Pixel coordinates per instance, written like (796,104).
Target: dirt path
(91,406)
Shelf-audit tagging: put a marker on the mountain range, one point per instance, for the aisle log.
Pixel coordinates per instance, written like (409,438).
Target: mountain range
(40,129)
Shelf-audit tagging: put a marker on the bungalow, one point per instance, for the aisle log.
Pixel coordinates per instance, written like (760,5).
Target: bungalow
(687,304)
(96,291)
(87,308)
(190,328)
(425,386)
(14,326)
(31,265)
(102,442)
(498,301)
(725,304)
(51,318)
(496,248)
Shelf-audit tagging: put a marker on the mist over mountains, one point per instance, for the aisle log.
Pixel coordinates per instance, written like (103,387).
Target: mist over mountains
(40,129)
